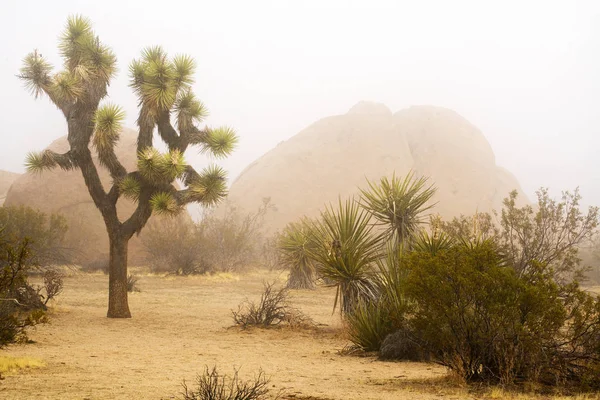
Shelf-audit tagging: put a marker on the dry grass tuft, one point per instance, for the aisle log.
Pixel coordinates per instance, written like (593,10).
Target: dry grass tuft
(12,364)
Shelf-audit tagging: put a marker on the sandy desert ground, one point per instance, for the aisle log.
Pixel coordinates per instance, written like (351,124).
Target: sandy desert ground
(181,324)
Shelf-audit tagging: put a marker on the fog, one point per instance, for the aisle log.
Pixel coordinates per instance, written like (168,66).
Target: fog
(525,72)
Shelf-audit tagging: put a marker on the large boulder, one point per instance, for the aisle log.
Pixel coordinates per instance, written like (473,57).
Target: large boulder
(6,179)
(64,192)
(336,155)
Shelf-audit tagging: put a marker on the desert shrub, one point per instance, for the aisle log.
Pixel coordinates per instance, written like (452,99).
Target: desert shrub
(172,245)
(272,309)
(210,385)
(99,264)
(477,316)
(233,241)
(45,234)
(550,233)
(218,243)
(132,281)
(53,284)
(21,305)
(294,249)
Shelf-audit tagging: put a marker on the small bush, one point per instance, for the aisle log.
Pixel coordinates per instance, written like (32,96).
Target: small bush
(21,305)
(210,385)
(53,284)
(229,243)
(132,281)
(45,234)
(100,264)
(272,309)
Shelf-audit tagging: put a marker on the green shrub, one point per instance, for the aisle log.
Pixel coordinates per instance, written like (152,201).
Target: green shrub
(210,385)
(21,305)
(477,316)
(45,234)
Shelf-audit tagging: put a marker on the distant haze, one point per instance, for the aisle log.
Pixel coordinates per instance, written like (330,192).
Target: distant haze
(527,73)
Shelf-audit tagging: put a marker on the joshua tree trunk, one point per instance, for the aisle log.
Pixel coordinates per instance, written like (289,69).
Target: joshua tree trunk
(118,306)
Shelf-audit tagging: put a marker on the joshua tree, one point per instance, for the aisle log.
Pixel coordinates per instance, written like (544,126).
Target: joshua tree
(163,87)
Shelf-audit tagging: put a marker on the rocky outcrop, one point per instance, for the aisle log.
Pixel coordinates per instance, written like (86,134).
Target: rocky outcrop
(336,155)
(6,179)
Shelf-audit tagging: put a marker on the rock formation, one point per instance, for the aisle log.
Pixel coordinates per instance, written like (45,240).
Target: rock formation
(64,192)
(336,155)
(6,179)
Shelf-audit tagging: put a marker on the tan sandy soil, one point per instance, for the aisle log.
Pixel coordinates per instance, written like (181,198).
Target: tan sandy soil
(182,324)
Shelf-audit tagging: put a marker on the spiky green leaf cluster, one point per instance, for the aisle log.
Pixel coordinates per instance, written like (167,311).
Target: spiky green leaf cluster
(346,249)
(399,204)
(130,187)
(157,80)
(156,167)
(189,110)
(107,126)
(173,165)
(219,142)
(47,159)
(88,67)
(35,72)
(294,249)
(85,56)
(210,186)
(37,162)
(164,203)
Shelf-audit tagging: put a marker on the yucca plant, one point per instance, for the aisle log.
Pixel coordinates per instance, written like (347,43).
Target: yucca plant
(163,86)
(294,249)
(398,205)
(371,321)
(345,249)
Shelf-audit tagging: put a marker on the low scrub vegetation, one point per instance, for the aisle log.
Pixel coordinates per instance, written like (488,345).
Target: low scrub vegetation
(494,297)
(272,309)
(211,385)
(219,243)
(45,234)
(21,305)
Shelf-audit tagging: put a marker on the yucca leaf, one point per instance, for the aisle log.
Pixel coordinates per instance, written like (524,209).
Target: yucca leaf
(184,68)
(172,165)
(148,164)
(77,28)
(164,203)
(66,87)
(211,186)
(399,204)
(188,110)
(220,142)
(130,187)
(154,53)
(137,70)
(108,121)
(35,72)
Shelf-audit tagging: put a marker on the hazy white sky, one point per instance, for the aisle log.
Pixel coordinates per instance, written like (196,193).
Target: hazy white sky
(526,72)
